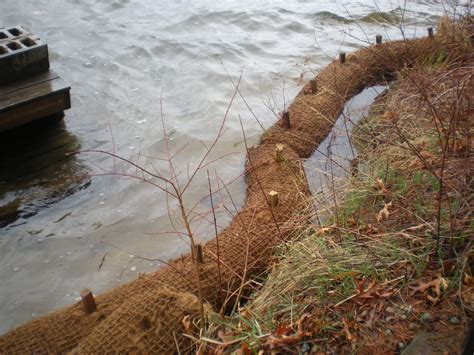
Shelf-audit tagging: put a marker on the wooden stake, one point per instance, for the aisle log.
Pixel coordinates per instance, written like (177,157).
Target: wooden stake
(279,152)
(312,89)
(378,39)
(342,57)
(199,254)
(285,119)
(430,32)
(88,301)
(273,198)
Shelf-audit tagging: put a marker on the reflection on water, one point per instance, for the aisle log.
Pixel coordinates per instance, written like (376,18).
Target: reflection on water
(36,169)
(331,161)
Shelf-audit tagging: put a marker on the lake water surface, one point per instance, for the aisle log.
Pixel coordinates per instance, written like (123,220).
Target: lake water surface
(133,64)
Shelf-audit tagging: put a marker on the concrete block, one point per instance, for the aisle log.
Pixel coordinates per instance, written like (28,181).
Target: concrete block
(22,54)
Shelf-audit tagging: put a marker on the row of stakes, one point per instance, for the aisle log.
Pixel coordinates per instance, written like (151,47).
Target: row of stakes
(313,87)
(272,198)
(86,295)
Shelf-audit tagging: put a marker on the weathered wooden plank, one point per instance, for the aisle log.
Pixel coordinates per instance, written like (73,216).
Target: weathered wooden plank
(30,93)
(25,83)
(35,108)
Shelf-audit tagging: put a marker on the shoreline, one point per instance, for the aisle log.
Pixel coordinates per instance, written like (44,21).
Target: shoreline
(263,224)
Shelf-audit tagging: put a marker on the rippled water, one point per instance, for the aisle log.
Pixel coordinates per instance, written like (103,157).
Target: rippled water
(61,222)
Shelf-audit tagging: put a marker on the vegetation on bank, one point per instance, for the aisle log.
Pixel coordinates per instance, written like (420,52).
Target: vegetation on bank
(393,255)
(387,255)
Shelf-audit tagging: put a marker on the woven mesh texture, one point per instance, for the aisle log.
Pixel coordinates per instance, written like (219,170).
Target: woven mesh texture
(146,314)
(312,116)
(142,323)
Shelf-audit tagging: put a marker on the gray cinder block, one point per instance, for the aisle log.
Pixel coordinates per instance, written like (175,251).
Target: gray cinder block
(22,54)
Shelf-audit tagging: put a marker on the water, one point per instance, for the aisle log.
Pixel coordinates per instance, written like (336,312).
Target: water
(64,227)
(332,159)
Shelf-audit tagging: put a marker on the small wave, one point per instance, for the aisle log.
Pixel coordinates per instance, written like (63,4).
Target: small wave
(296,28)
(330,16)
(223,17)
(382,17)
(285,12)
(171,49)
(375,17)
(245,21)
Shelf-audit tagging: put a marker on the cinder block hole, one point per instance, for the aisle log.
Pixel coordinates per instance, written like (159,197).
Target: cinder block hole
(28,42)
(14,46)
(3,35)
(3,50)
(15,31)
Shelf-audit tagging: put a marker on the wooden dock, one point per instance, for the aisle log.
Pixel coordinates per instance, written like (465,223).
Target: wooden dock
(29,90)
(38,97)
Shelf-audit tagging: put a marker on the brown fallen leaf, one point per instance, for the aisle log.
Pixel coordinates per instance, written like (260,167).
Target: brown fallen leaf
(351,222)
(369,229)
(382,189)
(282,330)
(384,212)
(301,321)
(468,279)
(467,295)
(433,300)
(276,340)
(187,325)
(387,294)
(423,286)
(323,230)
(428,157)
(223,336)
(369,292)
(438,285)
(244,350)
(349,336)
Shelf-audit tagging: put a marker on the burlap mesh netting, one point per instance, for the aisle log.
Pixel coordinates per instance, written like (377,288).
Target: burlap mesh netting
(145,315)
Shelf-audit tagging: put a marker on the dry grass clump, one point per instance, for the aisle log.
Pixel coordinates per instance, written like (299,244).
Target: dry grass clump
(457,33)
(395,256)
